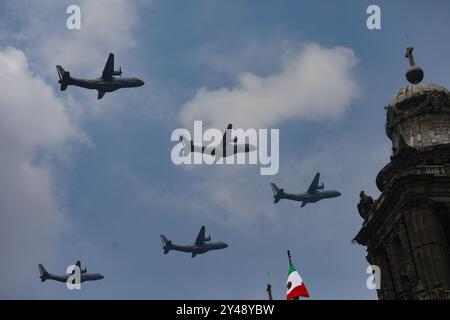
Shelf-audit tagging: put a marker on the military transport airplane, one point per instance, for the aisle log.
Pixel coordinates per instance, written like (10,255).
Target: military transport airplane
(106,83)
(225,148)
(201,245)
(44,275)
(313,194)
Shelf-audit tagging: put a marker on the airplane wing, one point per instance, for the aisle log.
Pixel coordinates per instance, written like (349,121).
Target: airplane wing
(303,204)
(314,184)
(109,68)
(201,236)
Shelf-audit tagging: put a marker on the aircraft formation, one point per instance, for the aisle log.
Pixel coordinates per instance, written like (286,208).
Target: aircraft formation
(108,82)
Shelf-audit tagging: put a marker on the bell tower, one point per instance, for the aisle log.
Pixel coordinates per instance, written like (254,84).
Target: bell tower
(407,229)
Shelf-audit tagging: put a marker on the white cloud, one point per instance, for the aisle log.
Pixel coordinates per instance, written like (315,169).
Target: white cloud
(316,83)
(106,26)
(34,127)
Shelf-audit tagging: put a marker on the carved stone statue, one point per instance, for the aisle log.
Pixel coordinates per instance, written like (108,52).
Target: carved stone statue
(364,205)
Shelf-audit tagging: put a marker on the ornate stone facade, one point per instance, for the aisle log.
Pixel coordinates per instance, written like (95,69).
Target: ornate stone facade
(407,229)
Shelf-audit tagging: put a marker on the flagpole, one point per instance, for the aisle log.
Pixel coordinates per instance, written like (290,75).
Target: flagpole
(269,287)
(269,291)
(289,256)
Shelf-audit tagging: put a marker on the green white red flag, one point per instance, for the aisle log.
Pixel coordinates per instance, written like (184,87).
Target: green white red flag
(295,287)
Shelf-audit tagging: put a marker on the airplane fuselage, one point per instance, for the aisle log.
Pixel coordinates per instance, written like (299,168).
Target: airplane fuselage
(84,277)
(198,249)
(224,151)
(310,197)
(105,85)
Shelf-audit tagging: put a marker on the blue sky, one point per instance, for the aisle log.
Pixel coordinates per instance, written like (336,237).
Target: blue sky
(101,186)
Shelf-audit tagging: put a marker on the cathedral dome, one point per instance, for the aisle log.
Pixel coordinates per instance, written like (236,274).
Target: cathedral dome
(418,115)
(416,91)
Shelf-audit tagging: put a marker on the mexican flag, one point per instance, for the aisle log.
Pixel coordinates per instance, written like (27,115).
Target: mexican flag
(294,286)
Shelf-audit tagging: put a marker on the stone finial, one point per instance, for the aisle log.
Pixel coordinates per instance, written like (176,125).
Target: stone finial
(414,74)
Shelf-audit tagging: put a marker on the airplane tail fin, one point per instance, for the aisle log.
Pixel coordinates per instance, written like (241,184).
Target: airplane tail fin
(64,77)
(43,273)
(187,145)
(277,192)
(167,244)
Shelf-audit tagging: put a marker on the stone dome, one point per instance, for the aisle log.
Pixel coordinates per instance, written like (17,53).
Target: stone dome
(415,91)
(419,116)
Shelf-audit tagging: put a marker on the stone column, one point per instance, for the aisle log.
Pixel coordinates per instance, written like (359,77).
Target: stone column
(378,257)
(429,247)
(395,260)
